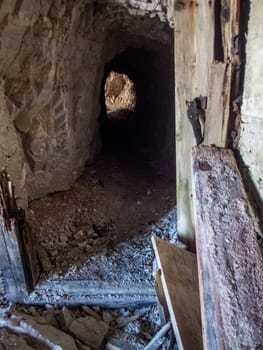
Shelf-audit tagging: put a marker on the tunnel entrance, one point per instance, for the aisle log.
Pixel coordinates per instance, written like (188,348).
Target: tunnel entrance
(128,192)
(145,128)
(120,97)
(100,174)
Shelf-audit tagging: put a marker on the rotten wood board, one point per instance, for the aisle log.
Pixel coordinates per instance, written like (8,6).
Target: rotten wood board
(230,263)
(30,254)
(11,261)
(12,267)
(214,124)
(91,292)
(230,22)
(193,51)
(157,340)
(162,305)
(180,284)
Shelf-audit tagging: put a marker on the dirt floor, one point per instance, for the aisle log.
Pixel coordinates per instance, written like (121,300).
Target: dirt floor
(94,246)
(25,327)
(115,199)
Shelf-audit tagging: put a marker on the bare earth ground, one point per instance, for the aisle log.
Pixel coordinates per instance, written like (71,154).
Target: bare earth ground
(97,236)
(114,200)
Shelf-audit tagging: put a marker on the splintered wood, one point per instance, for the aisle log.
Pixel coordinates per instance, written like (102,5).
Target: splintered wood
(11,263)
(180,285)
(230,263)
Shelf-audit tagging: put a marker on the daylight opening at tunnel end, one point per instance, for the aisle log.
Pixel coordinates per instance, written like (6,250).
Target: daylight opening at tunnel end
(120,96)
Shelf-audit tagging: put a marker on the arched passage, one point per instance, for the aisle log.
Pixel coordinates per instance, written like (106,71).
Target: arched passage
(150,126)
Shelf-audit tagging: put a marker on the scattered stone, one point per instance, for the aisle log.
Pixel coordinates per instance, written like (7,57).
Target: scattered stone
(138,327)
(82,346)
(91,312)
(11,341)
(54,253)
(49,332)
(50,317)
(92,234)
(79,234)
(63,238)
(107,317)
(89,331)
(116,344)
(44,259)
(149,192)
(65,319)
(122,321)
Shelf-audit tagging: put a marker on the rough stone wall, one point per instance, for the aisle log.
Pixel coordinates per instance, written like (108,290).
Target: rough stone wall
(251,142)
(45,88)
(52,59)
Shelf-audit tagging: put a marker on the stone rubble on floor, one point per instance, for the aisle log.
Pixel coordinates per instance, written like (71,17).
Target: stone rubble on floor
(25,327)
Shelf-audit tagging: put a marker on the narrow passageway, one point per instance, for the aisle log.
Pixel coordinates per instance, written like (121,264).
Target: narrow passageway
(99,182)
(130,186)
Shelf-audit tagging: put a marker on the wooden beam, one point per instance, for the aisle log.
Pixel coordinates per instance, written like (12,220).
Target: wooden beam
(224,76)
(214,125)
(11,263)
(193,50)
(230,263)
(157,340)
(180,284)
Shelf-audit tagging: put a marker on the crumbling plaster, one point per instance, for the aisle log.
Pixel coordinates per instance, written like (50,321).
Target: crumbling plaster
(52,59)
(251,142)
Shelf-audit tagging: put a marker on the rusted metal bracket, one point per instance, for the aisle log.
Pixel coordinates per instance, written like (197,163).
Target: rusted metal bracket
(196,116)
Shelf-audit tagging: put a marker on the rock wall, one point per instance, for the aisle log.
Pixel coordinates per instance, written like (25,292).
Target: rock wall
(251,142)
(52,59)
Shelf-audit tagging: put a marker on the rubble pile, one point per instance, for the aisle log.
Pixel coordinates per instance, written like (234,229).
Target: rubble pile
(81,328)
(111,203)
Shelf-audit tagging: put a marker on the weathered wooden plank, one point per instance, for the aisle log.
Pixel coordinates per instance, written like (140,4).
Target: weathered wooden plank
(11,263)
(214,124)
(229,259)
(180,284)
(161,301)
(193,50)
(92,292)
(30,254)
(184,36)
(96,287)
(156,341)
(230,13)
(5,265)
(15,263)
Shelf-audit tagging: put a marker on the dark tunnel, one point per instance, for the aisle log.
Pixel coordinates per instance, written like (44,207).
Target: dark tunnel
(148,130)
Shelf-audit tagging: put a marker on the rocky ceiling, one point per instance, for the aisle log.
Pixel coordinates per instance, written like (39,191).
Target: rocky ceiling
(163,9)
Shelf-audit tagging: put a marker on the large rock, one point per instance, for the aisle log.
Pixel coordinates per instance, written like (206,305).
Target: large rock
(52,335)
(65,319)
(12,341)
(89,331)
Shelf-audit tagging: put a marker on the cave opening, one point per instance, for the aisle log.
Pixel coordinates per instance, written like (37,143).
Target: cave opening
(128,190)
(120,96)
(100,181)
(145,129)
